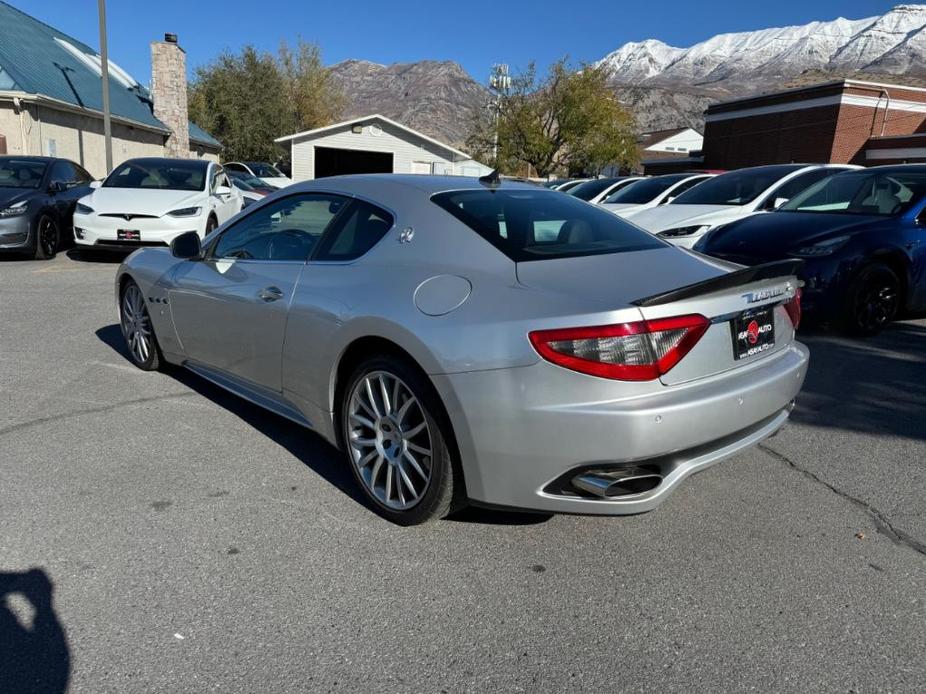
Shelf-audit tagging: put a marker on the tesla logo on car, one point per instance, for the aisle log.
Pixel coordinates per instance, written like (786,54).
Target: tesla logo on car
(128,217)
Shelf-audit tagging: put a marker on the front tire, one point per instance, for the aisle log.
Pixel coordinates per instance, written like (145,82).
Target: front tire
(47,238)
(137,329)
(873,300)
(211,225)
(396,441)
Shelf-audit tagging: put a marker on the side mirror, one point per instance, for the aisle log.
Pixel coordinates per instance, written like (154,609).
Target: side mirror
(223,190)
(56,187)
(779,202)
(187,246)
(96,184)
(668,200)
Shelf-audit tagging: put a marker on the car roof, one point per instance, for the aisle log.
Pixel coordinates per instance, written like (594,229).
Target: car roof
(166,160)
(428,184)
(27,157)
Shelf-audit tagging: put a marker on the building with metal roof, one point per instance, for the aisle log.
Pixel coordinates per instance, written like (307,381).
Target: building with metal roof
(51,99)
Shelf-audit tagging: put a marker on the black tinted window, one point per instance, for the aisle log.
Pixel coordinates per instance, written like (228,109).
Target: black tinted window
(589,189)
(21,173)
(287,229)
(361,227)
(63,172)
(644,190)
(736,187)
(798,184)
(538,224)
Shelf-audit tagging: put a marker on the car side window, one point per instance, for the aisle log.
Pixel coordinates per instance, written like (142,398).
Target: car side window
(359,229)
(796,185)
(83,178)
(288,229)
(683,186)
(236,167)
(63,172)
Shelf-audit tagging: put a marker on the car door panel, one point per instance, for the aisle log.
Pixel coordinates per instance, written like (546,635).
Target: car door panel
(231,314)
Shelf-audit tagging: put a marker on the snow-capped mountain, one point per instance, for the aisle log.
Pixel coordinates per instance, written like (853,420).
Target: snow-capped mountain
(892,43)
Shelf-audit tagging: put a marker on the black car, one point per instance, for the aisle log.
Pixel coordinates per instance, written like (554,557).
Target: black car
(37,200)
(862,236)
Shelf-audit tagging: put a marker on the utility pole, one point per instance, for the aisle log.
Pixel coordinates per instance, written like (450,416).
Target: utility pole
(499,84)
(104,70)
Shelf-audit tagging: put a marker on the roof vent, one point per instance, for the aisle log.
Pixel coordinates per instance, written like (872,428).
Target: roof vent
(170,38)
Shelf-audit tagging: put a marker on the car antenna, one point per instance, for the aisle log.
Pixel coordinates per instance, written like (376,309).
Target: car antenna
(491,180)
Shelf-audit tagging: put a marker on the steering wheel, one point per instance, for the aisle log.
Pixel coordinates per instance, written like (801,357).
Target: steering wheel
(290,244)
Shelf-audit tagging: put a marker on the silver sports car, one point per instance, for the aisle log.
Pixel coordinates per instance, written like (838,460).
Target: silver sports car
(470,340)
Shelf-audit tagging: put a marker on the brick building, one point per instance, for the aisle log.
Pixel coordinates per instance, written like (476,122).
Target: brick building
(846,121)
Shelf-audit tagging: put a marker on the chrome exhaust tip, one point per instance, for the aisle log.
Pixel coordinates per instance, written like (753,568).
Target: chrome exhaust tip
(617,483)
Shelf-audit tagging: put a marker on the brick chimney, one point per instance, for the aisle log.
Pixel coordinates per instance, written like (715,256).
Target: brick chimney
(168,90)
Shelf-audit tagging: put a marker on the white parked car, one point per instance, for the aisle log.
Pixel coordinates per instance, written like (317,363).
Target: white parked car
(595,190)
(731,196)
(150,201)
(268,173)
(651,192)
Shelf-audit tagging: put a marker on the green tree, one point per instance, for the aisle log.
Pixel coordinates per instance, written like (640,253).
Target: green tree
(568,120)
(248,99)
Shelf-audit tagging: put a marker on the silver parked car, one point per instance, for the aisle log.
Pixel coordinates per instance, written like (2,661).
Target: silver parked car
(464,339)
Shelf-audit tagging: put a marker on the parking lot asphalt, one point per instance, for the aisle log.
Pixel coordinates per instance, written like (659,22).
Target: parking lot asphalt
(195,543)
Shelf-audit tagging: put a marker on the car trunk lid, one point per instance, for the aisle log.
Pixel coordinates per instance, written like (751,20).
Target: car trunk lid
(669,282)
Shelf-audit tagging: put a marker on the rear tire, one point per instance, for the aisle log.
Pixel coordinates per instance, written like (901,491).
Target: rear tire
(396,439)
(873,300)
(138,330)
(47,238)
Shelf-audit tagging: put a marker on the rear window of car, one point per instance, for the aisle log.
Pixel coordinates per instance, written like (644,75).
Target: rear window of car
(540,224)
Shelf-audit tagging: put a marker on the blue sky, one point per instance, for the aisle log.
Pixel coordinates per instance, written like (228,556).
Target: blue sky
(475,34)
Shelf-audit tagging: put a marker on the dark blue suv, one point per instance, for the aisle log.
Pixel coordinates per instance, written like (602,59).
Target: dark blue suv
(862,236)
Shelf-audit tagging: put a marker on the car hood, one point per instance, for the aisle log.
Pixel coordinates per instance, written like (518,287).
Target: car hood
(670,216)
(616,279)
(775,235)
(142,200)
(11,196)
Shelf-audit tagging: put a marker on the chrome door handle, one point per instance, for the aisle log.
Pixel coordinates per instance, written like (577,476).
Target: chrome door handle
(270,294)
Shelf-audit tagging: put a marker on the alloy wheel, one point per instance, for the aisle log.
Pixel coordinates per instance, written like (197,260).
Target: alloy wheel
(136,324)
(877,301)
(390,440)
(48,236)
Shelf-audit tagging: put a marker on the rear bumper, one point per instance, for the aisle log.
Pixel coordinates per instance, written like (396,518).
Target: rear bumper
(518,431)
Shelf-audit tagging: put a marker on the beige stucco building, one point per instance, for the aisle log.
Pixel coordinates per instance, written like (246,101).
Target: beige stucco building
(51,100)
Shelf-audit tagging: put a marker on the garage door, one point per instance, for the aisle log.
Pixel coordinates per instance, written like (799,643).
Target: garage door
(337,162)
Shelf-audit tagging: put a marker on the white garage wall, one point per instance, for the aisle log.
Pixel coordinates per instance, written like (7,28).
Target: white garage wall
(405,147)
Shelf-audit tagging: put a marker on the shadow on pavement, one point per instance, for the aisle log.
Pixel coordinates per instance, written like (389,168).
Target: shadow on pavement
(34,654)
(102,257)
(875,385)
(311,449)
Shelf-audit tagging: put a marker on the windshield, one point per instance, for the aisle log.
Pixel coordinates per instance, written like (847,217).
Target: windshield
(862,192)
(646,190)
(540,224)
(264,170)
(19,173)
(735,188)
(589,189)
(161,175)
(247,179)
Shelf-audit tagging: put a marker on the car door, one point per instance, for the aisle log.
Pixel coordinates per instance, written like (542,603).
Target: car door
(223,198)
(230,308)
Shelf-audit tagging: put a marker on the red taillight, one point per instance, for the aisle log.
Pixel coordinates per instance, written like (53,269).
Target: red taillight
(793,307)
(639,351)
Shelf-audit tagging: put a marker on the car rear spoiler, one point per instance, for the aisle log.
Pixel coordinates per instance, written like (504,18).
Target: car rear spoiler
(766,271)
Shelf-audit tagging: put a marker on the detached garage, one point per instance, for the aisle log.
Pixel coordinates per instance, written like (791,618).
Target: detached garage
(373,144)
